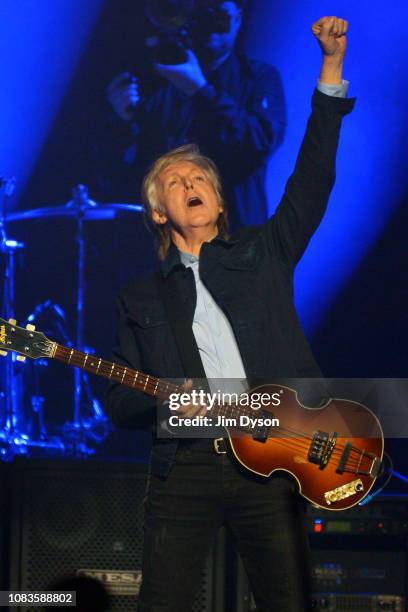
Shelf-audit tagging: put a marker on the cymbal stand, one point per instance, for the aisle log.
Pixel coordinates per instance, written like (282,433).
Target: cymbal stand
(81,428)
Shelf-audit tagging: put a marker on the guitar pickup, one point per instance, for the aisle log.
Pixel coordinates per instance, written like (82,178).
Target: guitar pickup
(262,432)
(260,437)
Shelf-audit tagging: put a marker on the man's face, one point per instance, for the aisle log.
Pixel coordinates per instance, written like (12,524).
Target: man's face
(187,198)
(217,44)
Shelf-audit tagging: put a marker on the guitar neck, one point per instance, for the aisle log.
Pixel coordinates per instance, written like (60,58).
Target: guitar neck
(142,382)
(120,374)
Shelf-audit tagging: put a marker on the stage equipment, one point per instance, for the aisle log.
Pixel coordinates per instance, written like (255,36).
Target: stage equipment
(359,558)
(85,518)
(23,427)
(78,430)
(95,212)
(94,425)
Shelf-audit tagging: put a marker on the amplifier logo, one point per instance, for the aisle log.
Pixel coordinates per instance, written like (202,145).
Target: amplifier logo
(116,582)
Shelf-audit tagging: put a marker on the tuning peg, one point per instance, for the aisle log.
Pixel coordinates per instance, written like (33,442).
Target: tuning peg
(3,353)
(12,322)
(20,358)
(30,327)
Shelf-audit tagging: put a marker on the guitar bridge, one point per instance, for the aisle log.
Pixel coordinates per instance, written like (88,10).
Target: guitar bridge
(374,469)
(321,448)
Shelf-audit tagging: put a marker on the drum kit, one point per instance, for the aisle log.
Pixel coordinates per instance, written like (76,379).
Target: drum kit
(24,425)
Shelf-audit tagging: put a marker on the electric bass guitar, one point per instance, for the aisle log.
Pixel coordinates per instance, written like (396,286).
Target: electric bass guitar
(334,452)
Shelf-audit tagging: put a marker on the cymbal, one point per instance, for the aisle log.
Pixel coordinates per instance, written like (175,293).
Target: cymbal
(93,212)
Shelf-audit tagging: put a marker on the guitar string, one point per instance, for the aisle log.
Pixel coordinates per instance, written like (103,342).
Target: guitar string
(285,443)
(154,384)
(103,367)
(106,368)
(358,462)
(337,450)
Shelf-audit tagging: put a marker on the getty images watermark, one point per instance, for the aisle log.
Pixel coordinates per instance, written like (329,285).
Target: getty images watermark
(201,412)
(265,410)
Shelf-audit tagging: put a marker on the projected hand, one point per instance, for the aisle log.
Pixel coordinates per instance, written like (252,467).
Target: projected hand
(123,94)
(330,33)
(188,77)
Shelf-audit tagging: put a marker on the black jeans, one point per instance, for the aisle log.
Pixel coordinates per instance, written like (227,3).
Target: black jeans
(184,512)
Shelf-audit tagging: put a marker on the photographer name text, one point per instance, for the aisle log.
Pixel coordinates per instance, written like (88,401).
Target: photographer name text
(223,421)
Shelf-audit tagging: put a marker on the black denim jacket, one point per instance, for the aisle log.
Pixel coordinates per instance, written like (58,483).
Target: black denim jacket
(250,278)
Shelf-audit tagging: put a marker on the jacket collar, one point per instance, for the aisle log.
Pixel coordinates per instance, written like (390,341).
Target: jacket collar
(173,261)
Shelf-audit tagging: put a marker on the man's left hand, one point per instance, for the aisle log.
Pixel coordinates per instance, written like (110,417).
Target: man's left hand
(188,77)
(330,33)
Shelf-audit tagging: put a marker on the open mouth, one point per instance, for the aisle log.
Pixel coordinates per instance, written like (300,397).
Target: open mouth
(194,201)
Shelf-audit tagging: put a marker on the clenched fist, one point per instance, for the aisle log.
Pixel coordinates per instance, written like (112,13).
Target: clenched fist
(330,33)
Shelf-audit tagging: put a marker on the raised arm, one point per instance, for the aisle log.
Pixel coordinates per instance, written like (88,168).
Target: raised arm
(307,191)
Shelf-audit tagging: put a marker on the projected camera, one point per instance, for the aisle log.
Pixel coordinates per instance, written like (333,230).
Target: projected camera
(182,24)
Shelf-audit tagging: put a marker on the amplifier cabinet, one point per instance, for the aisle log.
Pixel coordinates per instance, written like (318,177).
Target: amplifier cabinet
(86,517)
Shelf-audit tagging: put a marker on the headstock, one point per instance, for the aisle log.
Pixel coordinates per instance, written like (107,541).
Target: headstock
(25,341)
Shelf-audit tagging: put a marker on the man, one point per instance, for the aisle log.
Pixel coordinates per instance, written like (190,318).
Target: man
(224,307)
(231,106)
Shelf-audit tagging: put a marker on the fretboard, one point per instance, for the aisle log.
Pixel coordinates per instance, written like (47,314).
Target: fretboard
(144,382)
(120,374)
